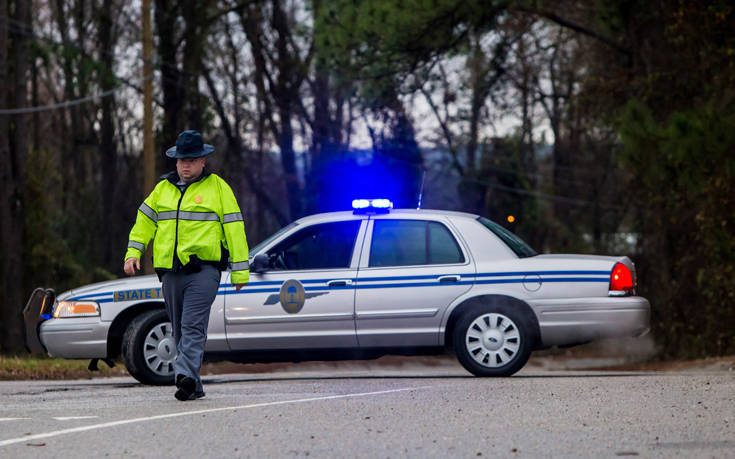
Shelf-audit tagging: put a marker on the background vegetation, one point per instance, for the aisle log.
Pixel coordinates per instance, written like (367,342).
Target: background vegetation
(603,127)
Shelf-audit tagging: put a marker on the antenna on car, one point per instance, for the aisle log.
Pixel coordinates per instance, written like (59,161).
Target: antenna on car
(421,190)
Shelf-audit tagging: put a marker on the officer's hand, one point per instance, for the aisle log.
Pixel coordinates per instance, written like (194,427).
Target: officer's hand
(239,286)
(131,264)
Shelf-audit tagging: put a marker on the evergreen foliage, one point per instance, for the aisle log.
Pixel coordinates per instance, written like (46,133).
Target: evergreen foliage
(685,176)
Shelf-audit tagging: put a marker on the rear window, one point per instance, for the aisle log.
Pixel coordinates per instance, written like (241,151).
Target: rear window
(412,242)
(516,244)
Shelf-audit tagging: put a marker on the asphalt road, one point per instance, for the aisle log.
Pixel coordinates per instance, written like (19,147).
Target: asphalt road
(362,411)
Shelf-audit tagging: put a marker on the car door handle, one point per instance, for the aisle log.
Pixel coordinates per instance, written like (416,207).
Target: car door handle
(449,279)
(339,283)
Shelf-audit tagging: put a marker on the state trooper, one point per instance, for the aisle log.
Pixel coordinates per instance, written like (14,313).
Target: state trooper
(197,228)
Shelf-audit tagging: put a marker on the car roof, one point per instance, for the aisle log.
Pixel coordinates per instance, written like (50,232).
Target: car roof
(348,215)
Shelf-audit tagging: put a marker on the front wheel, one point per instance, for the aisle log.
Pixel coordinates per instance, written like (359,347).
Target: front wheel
(493,341)
(149,349)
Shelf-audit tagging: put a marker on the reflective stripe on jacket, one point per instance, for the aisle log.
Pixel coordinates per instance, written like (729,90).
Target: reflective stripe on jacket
(196,224)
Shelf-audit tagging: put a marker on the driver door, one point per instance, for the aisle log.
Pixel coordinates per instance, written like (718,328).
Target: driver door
(306,298)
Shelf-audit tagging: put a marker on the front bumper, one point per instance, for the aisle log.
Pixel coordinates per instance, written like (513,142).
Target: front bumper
(78,338)
(572,321)
(69,338)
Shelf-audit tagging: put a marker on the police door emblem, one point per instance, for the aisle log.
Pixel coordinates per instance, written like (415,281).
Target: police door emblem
(292,296)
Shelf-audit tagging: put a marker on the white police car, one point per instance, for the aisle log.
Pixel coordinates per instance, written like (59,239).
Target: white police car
(362,284)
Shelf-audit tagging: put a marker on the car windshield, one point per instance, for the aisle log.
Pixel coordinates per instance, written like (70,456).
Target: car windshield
(271,238)
(516,244)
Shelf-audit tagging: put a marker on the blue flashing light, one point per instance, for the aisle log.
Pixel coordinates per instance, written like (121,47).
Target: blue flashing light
(381,203)
(46,316)
(360,203)
(371,205)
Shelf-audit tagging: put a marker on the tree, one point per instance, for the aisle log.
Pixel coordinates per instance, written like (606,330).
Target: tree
(181,30)
(677,113)
(13,150)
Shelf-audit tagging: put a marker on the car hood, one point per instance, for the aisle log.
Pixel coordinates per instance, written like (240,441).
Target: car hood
(137,282)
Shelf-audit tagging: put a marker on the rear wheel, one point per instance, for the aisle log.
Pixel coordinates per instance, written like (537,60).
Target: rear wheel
(493,341)
(149,349)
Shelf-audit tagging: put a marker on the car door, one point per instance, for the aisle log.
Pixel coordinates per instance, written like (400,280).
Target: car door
(306,299)
(410,272)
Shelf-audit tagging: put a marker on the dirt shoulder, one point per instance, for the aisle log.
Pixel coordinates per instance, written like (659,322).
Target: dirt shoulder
(25,367)
(34,368)
(726,363)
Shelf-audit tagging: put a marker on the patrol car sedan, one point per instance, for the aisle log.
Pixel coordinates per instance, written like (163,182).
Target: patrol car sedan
(358,285)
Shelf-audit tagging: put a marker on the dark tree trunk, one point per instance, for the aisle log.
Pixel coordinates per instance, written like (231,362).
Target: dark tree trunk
(194,14)
(165,17)
(477,75)
(35,103)
(322,145)
(71,152)
(108,149)
(12,156)
(7,227)
(285,97)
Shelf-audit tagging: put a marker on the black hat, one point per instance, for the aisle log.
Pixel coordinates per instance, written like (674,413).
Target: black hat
(189,145)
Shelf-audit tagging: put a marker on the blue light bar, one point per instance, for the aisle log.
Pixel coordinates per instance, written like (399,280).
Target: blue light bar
(371,205)
(381,203)
(360,203)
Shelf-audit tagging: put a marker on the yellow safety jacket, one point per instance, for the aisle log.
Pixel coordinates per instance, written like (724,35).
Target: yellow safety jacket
(192,227)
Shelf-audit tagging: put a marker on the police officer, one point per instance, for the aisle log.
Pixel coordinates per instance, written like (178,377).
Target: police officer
(193,217)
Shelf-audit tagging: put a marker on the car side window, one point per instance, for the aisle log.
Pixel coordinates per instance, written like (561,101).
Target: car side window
(443,248)
(322,246)
(412,242)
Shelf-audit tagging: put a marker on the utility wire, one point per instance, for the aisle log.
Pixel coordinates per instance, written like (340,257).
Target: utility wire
(25,29)
(68,103)
(539,194)
(515,190)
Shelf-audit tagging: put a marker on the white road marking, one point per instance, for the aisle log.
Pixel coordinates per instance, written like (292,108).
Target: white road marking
(56,433)
(69,418)
(12,419)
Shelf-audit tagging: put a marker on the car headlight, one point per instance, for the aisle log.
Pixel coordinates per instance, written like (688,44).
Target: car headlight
(76,309)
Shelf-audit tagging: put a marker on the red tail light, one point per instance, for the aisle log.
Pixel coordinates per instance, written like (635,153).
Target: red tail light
(621,280)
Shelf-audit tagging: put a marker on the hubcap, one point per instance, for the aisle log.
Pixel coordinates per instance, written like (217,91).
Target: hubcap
(159,349)
(492,340)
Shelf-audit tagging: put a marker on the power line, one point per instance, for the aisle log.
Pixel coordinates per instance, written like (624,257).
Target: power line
(68,103)
(514,190)
(539,194)
(25,29)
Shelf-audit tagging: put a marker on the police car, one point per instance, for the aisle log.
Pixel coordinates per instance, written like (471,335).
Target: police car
(358,285)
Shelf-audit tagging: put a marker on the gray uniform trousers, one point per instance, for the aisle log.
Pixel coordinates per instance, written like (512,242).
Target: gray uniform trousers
(189,297)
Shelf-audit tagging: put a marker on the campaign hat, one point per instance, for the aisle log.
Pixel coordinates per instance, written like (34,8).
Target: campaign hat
(189,144)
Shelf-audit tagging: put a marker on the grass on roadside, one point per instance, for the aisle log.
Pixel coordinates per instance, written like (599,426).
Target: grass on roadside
(22,367)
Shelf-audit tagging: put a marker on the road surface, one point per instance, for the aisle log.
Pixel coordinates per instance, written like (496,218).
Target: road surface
(362,411)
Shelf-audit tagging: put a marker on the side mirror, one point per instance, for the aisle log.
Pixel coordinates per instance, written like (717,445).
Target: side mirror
(260,263)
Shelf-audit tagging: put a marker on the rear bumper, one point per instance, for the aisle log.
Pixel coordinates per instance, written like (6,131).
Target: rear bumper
(570,321)
(80,338)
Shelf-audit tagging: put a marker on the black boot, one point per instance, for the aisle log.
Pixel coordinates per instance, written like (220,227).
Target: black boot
(186,388)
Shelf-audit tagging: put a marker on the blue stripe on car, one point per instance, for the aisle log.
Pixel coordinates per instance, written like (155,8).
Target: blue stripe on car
(539,273)
(86,297)
(472,279)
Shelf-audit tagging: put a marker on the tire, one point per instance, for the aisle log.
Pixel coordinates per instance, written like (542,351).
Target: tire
(493,340)
(148,349)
